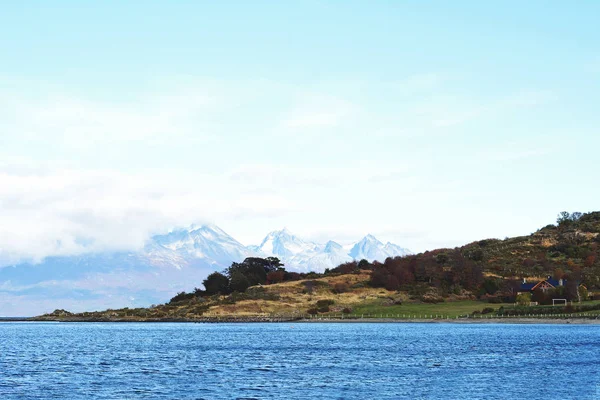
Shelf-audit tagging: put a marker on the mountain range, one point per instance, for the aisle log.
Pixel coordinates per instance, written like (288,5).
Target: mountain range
(301,255)
(168,263)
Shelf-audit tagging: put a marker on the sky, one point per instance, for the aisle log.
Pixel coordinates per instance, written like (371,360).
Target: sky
(428,124)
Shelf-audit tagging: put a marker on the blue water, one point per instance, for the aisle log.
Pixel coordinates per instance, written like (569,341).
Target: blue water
(298,361)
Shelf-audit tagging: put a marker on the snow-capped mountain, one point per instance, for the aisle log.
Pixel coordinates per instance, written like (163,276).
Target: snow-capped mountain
(333,254)
(167,263)
(395,250)
(371,249)
(207,244)
(284,244)
(301,255)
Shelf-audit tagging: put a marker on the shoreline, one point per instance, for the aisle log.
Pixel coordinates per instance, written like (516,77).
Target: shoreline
(220,320)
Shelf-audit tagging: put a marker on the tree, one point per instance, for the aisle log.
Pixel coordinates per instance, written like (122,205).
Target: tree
(364,264)
(575,216)
(489,286)
(379,277)
(255,269)
(523,299)
(558,274)
(563,218)
(216,283)
(589,260)
(345,268)
(582,293)
(405,275)
(276,276)
(238,282)
(572,289)
(392,283)
(441,258)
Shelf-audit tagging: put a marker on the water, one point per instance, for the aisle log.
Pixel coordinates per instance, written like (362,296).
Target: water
(298,361)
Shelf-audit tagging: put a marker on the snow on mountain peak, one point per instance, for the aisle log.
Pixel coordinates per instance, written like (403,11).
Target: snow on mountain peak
(371,249)
(208,242)
(284,244)
(332,246)
(395,250)
(299,254)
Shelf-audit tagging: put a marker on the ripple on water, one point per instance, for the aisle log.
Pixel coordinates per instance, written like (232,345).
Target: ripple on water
(271,361)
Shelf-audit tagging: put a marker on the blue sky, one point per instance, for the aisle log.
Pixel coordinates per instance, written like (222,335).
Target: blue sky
(425,123)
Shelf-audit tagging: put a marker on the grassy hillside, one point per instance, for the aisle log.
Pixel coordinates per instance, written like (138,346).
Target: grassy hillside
(317,296)
(572,244)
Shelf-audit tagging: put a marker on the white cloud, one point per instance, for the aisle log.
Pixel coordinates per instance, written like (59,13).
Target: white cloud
(68,211)
(258,156)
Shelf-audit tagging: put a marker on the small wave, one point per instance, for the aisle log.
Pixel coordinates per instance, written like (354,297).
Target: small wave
(261,369)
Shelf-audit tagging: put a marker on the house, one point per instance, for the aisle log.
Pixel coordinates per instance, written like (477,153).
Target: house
(543,285)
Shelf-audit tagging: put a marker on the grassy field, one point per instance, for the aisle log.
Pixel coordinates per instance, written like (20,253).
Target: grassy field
(424,310)
(446,309)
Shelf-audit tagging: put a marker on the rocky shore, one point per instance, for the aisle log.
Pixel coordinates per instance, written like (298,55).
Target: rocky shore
(275,319)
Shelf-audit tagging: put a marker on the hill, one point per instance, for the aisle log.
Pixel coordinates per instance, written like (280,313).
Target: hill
(572,245)
(444,281)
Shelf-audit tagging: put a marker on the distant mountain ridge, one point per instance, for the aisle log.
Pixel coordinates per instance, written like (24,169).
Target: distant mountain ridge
(166,264)
(301,255)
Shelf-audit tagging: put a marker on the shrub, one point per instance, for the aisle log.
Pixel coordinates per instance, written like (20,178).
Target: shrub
(253,293)
(312,311)
(181,296)
(325,303)
(275,276)
(494,299)
(432,299)
(345,268)
(487,310)
(340,287)
(311,285)
(346,310)
(540,310)
(583,293)
(474,254)
(524,299)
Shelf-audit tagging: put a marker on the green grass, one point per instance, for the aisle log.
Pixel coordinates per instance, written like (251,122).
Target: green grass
(582,313)
(454,309)
(446,309)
